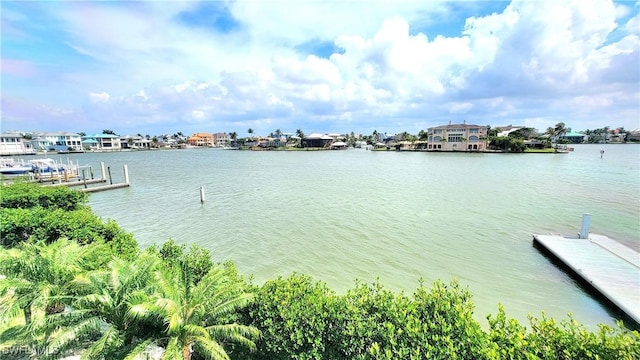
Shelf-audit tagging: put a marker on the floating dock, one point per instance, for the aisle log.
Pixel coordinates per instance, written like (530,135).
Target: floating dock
(609,267)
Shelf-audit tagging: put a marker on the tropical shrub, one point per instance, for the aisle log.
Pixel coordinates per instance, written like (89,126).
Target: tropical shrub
(37,284)
(303,319)
(292,315)
(39,224)
(197,260)
(21,195)
(567,339)
(34,213)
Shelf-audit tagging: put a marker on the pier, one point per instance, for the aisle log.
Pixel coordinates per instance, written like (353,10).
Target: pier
(84,181)
(605,265)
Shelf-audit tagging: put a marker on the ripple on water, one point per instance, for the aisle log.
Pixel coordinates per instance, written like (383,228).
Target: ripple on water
(341,216)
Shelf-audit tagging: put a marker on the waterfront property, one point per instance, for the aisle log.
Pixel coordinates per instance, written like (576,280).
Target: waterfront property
(134,142)
(15,144)
(317,140)
(457,137)
(57,141)
(102,142)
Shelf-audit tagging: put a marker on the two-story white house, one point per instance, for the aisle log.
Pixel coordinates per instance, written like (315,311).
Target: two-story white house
(102,142)
(57,141)
(457,137)
(15,144)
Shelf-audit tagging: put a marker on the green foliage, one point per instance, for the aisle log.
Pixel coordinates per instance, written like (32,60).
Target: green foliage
(291,313)
(39,224)
(435,324)
(197,259)
(34,213)
(38,285)
(302,319)
(568,339)
(507,143)
(197,316)
(99,319)
(20,195)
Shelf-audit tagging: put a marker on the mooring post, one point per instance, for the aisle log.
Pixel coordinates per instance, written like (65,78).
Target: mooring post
(104,173)
(84,178)
(126,174)
(586,224)
(202,194)
(109,171)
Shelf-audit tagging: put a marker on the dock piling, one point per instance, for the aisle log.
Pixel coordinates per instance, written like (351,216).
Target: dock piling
(586,224)
(202,194)
(126,174)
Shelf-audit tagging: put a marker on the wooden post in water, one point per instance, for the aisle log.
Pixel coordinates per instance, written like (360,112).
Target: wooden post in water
(126,174)
(202,194)
(110,179)
(84,178)
(104,173)
(586,224)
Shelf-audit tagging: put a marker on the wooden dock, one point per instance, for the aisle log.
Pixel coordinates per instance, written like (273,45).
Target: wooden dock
(609,267)
(86,182)
(104,187)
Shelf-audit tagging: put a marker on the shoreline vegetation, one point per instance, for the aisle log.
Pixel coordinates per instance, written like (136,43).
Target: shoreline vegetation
(71,284)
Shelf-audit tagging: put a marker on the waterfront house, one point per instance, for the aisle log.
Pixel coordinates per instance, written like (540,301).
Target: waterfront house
(15,144)
(221,139)
(57,141)
(102,142)
(317,140)
(457,137)
(572,137)
(633,135)
(134,142)
(202,139)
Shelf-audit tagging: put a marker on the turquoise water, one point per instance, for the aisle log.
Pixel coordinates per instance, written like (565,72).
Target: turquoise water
(346,215)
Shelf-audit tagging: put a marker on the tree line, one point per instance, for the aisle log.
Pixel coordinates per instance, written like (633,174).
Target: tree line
(72,284)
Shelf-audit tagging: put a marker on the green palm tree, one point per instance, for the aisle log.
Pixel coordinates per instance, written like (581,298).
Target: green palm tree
(556,132)
(197,317)
(38,285)
(234,137)
(99,321)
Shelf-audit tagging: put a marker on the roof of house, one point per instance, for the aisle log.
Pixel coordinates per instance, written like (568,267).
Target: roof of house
(573,134)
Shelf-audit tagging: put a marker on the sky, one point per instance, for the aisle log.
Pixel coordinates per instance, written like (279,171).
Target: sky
(162,67)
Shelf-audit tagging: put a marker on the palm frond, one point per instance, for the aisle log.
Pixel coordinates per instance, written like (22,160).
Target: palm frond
(231,304)
(173,350)
(240,334)
(138,350)
(210,349)
(110,341)
(68,337)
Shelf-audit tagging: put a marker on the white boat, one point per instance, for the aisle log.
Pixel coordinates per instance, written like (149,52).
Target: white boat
(48,168)
(12,167)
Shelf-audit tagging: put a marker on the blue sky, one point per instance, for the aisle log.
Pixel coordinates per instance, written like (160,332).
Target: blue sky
(159,67)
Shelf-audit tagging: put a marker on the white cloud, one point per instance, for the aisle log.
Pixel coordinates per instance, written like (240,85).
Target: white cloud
(100,97)
(533,60)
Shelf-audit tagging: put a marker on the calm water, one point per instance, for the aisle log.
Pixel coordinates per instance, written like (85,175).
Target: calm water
(399,217)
